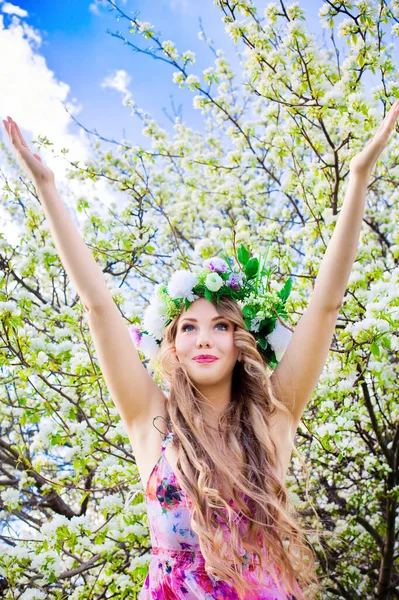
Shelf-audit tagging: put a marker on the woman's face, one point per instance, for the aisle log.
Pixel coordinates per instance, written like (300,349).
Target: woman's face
(201,330)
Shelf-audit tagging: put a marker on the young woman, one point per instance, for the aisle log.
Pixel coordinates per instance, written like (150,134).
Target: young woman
(233,427)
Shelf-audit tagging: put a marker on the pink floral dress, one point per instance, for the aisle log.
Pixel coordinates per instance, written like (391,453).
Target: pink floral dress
(176,570)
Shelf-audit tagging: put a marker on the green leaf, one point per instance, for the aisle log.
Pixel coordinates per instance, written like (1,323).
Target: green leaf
(243,255)
(386,342)
(360,60)
(285,290)
(267,325)
(375,349)
(263,343)
(251,268)
(187,303)
(248,324)
(56,439)
(249,311)
(208,295)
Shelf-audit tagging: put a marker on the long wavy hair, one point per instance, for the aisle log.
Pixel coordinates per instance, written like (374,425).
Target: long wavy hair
(239,452)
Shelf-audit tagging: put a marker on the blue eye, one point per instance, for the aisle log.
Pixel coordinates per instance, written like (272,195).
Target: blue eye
(225,325)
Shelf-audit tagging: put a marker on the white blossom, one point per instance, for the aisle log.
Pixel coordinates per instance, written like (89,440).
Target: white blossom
(144,26)
(213,282)
(188,55)
(111,502)
(192,80)
(324,10)
(33,594)
(47,561)
(279,339)
(10,497)
(178,77)
(10,306)
(149,346)
(181,284)
(153,322)
(255,324)
(170,49)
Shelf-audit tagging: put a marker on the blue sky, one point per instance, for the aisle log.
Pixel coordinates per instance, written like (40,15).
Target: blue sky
(77,47)
(60,53)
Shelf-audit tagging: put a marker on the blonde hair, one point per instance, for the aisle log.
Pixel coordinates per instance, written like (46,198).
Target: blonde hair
(242,454)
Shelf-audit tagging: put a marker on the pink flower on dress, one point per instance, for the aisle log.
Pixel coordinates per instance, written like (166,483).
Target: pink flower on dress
(164,591)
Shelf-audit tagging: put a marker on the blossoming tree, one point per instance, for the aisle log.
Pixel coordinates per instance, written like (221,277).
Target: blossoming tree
(273,165)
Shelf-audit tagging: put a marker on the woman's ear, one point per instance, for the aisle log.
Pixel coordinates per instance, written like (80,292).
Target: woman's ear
(174,352)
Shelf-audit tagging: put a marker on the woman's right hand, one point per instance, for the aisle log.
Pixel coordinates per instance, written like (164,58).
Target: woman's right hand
(32,163)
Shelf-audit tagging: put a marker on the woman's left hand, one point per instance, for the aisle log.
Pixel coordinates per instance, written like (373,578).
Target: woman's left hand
(363,163)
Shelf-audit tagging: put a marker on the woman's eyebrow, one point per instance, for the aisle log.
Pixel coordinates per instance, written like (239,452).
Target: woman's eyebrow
(195,320)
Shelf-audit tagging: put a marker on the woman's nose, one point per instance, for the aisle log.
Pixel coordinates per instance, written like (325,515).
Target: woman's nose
(203,340)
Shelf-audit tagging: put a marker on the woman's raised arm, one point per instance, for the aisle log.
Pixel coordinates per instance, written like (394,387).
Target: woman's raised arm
(133,390)
(75,256)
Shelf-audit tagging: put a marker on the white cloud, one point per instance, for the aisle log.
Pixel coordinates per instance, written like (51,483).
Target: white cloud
(11,9)
(33,96)
(118,81)
(93,7)
(181,5)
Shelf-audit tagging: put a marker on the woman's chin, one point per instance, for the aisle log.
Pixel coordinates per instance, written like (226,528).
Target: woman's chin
(209,373)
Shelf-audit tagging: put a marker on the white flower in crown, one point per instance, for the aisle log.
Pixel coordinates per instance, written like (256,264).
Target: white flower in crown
(279,339)
(255,324)
(181,285)
(154,321)
(148,346)
(213,282)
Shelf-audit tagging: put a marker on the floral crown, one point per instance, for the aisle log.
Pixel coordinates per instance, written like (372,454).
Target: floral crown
(249,286)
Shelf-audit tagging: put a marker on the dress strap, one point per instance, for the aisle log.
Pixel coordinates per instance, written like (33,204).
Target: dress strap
(166,437)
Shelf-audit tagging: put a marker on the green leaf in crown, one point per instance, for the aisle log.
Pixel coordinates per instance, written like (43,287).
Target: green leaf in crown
(285,290)
(249,311)
(208,295)
(262,343)
(248,324)
(251,268)
(267,325)
(243,255)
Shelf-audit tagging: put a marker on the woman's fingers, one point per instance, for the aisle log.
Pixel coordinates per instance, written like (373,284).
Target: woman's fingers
(15,133)
(21,139)
(12,134)
(5,123)
(387,124)
(13,130)
(392,115)
(32,163)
